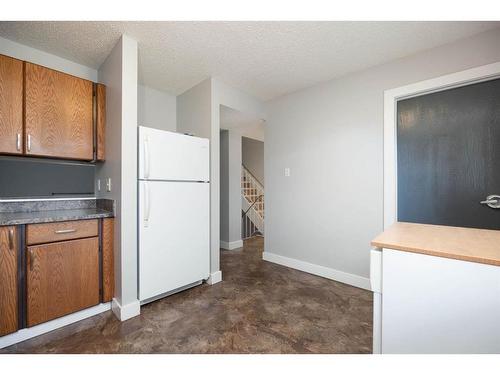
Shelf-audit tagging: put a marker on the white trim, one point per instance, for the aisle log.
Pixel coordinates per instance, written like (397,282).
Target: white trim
(126,312)
(377,324)
(40,329)
(329,273)
(214,278)
(231,245)
(466,77)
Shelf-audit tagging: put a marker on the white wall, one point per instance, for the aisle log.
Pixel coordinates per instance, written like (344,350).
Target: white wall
(156,109)
(330,136)
(22,52)
(119,74)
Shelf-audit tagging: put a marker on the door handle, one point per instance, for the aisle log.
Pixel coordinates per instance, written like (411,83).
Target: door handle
(147,204)
(489,201)
(28,142)
(146,157)
(492,201)
(18,142)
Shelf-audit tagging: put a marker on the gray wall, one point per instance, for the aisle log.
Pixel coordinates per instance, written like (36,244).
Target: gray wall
(195,115)
(119,74)
(198,112)
(230,185)
(253,157)
(224,185)
(330,136)
(156,109)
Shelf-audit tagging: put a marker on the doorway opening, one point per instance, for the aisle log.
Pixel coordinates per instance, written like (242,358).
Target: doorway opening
(242,197)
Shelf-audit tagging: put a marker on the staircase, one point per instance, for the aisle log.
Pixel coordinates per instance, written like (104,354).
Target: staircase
(252,205)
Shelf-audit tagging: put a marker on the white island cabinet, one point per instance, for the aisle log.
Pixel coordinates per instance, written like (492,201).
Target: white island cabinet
(436,290)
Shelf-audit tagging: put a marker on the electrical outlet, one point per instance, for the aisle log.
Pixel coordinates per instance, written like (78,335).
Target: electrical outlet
(108,184)
(287,172)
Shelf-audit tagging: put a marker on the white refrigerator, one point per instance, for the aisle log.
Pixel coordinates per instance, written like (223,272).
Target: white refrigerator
(174,212)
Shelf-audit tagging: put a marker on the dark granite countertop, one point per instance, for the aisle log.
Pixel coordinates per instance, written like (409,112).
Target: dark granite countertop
(47,212)
(15,218)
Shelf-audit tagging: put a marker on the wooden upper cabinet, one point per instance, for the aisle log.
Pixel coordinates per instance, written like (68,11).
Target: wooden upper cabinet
(100,120)
(58,114)
(8,280)
(11,105)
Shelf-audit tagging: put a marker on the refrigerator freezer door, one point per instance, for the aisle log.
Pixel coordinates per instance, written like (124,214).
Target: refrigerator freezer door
(172,156)
(173,236)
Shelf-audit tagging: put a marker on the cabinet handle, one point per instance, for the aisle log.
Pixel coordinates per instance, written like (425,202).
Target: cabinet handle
(29,142)
(62,231)
(18,142)
(11,239)
(32,259)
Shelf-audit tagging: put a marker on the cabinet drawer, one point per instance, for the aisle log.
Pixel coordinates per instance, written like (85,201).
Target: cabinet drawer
(62,278)
(66,230)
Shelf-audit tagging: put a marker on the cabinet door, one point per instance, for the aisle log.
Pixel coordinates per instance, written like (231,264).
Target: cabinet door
(8,280)
(11,105)
(62,278)
(101,120)
(108,270)
(58,114)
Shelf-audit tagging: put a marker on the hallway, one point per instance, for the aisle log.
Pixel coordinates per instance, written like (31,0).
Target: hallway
(259,307)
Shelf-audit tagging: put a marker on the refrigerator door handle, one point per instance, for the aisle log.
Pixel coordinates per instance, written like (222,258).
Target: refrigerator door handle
(146,157)
(147,204)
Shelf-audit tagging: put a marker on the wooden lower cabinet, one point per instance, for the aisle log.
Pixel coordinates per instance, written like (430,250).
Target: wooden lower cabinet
(62,278)
(8,280)
(108,264)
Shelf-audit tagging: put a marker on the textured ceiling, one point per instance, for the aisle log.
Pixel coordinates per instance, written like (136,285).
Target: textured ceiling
(266,59)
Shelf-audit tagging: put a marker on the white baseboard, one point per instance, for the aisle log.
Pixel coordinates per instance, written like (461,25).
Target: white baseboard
(40,329)
(215,278)
(329,273)
(125,312)
(231,245)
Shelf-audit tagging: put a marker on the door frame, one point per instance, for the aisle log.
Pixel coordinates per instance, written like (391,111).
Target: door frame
(391,97)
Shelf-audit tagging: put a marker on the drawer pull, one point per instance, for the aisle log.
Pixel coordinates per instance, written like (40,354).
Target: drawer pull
(63,231)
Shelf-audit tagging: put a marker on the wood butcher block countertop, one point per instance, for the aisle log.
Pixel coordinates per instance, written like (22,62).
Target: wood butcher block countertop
(474,245)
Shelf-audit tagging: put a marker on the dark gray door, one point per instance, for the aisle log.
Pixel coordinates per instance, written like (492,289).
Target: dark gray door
(448,149)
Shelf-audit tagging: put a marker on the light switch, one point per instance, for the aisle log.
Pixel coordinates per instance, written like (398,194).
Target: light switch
(287,172)
(108,184)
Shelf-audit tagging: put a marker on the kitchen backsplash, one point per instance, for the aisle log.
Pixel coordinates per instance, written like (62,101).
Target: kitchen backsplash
(38,178)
